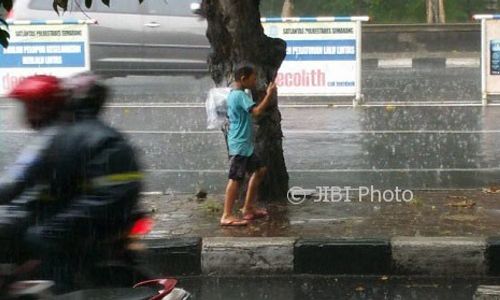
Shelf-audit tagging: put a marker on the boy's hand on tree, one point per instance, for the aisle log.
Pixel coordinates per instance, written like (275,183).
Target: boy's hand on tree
(271,88)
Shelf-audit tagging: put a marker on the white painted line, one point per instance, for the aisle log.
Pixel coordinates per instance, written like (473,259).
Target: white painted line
(392,131)
(155,105)
(465,103)
(337,170)
(322,105)
(395,63)
(394,170)
(423,104)
(169,132)
(345,132)
(433,190)
(152,193)
(331,220)
(17,131)
(462,62)
(183,171)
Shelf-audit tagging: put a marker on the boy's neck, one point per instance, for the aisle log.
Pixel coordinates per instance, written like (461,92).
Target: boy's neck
(238,86)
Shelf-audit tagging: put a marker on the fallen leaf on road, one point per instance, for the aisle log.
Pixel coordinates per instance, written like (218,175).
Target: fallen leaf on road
(465,204)
(491,190)
(360,289)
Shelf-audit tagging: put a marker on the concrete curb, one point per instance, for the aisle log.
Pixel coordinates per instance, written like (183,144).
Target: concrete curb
(247,255)
(343,256)
(173,256)
(376,256)
(421,63)
(487,292)
(439,255)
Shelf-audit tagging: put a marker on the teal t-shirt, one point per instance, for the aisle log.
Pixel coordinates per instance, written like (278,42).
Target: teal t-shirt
(240,135)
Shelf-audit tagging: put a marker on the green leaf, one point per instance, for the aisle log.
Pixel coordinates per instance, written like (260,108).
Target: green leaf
(4,36)
(4,42)
(106,2)
(60,3)
(7,4)
(54,6)
(4,22)
(88,3)
(63,4)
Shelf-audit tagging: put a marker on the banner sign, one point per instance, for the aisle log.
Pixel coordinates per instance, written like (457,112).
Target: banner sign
(490,55)
(59,48)
(323,55)
(495,57)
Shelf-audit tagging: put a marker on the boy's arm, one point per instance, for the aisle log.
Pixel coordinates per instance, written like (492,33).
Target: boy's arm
(259,109)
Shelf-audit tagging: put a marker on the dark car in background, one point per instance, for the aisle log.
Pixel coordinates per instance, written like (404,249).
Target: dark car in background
(155,37)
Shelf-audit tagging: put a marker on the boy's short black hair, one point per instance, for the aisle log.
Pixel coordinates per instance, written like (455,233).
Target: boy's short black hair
(243,71)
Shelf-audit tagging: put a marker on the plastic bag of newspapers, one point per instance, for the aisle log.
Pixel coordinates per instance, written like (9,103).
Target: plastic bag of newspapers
(216,106)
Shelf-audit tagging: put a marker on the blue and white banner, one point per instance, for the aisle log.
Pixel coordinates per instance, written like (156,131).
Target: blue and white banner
(55,48)
(321,56)
(318,50)
(43,55)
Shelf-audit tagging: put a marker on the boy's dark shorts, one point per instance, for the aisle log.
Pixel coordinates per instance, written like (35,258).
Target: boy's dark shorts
(240,165)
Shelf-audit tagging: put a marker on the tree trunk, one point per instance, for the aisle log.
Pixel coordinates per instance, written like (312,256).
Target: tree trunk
(442,14)
(288,9)
(435,11)
(428,7)
(237,37)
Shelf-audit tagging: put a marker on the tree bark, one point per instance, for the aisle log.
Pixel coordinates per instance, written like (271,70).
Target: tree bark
(236,37)
(435,11)
(442,14)
(288,9)
(430,15)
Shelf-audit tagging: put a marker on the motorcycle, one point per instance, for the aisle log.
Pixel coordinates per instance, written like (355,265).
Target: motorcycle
(41,290)
(118,269)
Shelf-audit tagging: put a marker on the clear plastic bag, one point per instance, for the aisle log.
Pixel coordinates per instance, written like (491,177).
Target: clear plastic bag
(216,106)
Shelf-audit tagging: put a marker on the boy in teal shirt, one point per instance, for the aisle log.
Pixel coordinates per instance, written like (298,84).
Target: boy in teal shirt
(240,110)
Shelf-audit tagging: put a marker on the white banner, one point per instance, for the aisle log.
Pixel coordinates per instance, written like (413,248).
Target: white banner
(322,58)
(60,49)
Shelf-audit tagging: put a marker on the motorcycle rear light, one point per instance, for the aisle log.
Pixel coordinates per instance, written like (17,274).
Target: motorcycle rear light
(142,226)
(10,15)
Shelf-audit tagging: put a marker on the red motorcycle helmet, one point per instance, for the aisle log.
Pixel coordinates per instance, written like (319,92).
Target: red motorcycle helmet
(39,89)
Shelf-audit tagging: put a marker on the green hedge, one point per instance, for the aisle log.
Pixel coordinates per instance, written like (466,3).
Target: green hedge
(381,11)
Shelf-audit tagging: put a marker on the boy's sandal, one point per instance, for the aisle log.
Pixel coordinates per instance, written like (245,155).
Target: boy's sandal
(233,222)
(255,214)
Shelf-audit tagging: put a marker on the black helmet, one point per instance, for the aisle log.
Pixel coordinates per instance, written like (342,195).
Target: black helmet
(88,93)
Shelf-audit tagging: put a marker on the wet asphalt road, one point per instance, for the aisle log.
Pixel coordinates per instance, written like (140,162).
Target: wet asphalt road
(319,288)
(323,288)
(409,147)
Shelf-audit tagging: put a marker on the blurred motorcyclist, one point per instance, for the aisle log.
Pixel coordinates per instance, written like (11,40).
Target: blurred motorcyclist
(76,186)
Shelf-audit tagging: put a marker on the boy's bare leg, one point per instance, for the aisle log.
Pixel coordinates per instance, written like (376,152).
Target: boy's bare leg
(253,185)
(233,186)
